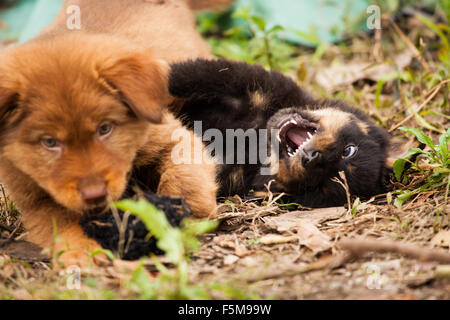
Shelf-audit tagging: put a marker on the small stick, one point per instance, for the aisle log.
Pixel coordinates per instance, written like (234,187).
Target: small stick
(346,188)
(431,95)
(331,262)
(410,45)
(358,247)
(4,227)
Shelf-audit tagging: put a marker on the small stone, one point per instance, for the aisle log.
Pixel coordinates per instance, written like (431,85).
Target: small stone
(230,259)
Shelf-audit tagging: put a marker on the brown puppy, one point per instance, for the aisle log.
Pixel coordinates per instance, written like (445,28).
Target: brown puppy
(79,110)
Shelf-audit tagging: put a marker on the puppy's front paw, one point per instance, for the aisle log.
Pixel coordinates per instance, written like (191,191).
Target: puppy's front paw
(80,257)
(199,192)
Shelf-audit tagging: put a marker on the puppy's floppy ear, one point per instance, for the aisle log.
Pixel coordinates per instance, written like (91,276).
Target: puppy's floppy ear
(399,149)
(140,81)
(7,102)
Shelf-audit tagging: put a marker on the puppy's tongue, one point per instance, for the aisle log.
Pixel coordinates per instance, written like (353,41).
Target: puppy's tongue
(297,135)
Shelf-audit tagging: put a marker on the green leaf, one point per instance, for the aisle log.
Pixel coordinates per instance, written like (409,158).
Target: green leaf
(399,166)
(402,75)
(242,12)
(422,137)
(107,252)
(260,22)
(430,24)
(355,206)
(195,293)
(404,195)
(141,280)
(155,220)
(172,244)
(275,29)
(424,123)
(443,144)
(311,37)
(235,31)
(169,238)
(389,198)
(198,227)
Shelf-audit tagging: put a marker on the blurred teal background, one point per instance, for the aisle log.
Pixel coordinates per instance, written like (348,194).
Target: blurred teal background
(325,20)
(328,20)
(26,18)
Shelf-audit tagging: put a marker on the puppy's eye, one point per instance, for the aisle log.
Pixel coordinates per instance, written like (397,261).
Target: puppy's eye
(50,143)
(105,129)
(349,151)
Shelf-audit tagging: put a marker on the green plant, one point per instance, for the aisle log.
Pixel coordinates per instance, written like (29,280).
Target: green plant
(177,244)
(438,165)
(251,41)
(442,48)
(7,207)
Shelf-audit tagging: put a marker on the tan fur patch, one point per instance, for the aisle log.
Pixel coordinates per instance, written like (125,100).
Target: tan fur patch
(363,127)
(285,172)
(258,100)
(237,178)
(351,168)
(331,122)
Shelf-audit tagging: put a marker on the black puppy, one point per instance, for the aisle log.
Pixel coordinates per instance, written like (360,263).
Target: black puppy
(314,139)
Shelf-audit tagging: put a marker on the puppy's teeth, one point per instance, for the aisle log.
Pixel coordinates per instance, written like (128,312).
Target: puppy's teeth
(278,138)
(293,122)
(310,135)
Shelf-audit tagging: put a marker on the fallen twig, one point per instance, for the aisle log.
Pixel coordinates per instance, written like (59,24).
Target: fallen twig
(358,247)
(410,45)
(344,185)
(4,227)
(430,95)
(443,271)
(330,262)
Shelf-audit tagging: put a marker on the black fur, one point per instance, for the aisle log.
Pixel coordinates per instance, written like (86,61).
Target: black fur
(219,93)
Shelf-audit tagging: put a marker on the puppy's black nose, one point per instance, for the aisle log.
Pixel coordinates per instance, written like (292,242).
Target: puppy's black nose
(310,157)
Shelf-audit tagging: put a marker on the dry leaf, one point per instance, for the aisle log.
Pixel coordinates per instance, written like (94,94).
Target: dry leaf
(441,239)
(289,221)
(338,75)
(23,250)
(239,250)
(311,237)
(277,239)
(230,259)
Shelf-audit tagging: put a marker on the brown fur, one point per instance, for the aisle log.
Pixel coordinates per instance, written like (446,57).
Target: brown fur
(207,4)
(65,85)
(167,28)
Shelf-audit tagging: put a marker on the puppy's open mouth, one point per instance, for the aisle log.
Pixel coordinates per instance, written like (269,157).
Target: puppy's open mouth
(294,133)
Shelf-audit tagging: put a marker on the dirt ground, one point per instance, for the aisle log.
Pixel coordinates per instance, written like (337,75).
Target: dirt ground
(264,251)
(288,262)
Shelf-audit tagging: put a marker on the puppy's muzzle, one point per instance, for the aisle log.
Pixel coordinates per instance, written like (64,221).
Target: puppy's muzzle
(310,157)
(93,190)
